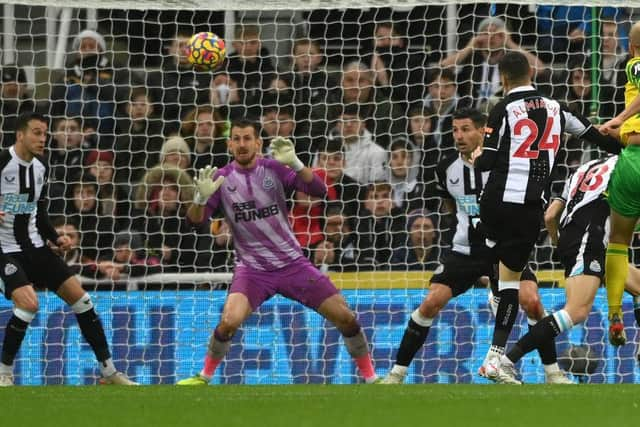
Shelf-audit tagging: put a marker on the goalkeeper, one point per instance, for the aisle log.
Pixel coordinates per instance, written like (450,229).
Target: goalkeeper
(624,190)
(251,192)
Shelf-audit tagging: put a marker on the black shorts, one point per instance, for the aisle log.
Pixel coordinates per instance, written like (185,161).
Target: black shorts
(38,266)
(460,272)
(582,246)
(527,275)
(513,228)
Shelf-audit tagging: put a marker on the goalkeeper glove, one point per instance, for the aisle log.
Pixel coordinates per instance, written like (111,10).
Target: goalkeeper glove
(285,153)
(205,186)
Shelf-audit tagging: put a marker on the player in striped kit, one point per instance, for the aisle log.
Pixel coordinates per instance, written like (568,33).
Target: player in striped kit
(25,258)
(460,185)
(582,214)
(252,193)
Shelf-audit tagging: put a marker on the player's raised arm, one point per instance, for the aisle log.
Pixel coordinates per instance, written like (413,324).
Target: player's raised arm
(304,179)
(206,187)
(581,127)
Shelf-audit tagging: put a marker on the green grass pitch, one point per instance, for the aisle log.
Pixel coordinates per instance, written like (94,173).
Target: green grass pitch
(323,406)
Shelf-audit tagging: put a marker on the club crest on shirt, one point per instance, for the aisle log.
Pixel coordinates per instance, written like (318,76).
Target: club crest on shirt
(268,183)
(9,269)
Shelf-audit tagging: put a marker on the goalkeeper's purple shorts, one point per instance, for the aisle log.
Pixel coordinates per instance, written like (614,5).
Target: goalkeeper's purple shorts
(299,281)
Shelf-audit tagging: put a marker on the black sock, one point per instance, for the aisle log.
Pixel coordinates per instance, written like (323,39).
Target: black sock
(542,332)
(413,338)
(92,331)
(13,335)
(636,314)
(547,350)
(505,317)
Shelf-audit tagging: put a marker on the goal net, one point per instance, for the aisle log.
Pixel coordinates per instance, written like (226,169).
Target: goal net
(366,89)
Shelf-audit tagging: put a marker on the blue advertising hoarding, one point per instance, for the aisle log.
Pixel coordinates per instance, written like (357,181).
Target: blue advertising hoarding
(158,337)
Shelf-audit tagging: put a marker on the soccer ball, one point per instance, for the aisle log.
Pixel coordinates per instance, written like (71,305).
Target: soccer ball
(206,51)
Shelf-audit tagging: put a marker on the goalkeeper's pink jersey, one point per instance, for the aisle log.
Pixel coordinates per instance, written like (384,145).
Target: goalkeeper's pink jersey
(254,203)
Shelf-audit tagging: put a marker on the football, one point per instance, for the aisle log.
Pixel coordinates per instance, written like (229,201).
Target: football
(206,51)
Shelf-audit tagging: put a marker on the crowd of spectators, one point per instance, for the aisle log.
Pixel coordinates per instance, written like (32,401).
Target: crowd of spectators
(124,149)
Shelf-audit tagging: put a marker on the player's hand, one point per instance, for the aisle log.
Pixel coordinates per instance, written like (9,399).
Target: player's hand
(205,185)
(64,243)
(609,126)
(284,152)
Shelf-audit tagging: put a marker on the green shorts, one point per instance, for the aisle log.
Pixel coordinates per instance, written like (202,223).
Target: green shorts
(624,185)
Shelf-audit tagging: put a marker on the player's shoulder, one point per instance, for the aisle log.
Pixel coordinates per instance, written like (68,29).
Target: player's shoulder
(447,162)
(633,67)
(225,170)
(5,156)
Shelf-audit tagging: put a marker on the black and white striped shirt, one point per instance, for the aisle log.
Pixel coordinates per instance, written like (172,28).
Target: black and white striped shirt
(22,189)
(522,140)
(588,183)
(460,181)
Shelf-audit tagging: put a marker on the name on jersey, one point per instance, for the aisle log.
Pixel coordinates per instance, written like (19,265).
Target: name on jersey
(18,204)
(247,211)
(534,104)
(469,204)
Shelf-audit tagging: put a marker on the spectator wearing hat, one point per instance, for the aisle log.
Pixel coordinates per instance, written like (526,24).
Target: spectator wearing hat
(203,129)
(113,199)
(175,152)
(88,90)
(364,159)
(421,250)
(15,99)
(139,140)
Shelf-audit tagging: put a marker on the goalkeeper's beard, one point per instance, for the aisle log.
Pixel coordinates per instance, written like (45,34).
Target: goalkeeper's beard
(245,161)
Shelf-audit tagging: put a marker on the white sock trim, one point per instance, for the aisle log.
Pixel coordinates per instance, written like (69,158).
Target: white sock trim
(6,369)
(24,315)
(552,368)
(83,305)
(531,322)
(399,369)
(563,320)
(107,368)
(417,317)
(503,284)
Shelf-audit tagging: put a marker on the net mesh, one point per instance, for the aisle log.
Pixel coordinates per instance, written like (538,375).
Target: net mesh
(132,121)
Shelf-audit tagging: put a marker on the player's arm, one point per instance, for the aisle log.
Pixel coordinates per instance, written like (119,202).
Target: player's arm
(484,158)
(301,177)
(552,219)
(579,126)
(448,201)
(633,77)
(43,222)
(207,198)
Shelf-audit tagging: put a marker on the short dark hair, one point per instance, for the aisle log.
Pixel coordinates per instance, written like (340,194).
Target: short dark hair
(421,110)
(245,123)
(23,120)
(478,119)
(514,66)
(401,143)
(61,221)
(352,110)
(331,146)
(445,74)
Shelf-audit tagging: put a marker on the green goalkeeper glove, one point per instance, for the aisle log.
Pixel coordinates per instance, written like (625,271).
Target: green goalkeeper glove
(205,186)
(284,152)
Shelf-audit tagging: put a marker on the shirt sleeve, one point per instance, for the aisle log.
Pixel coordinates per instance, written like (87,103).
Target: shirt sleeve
(492,132)
(292,181)
(633,72)
(43,222)
(441,180)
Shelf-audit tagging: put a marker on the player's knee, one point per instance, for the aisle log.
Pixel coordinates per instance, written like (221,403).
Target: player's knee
(229,324)
(434,302)
(531,304)
(25,299)
(345,320)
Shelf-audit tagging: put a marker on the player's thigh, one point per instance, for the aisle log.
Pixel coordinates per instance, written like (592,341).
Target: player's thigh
(48,270)
(624,186)
(14,277)
(256,286)
(622,228)
(460,272)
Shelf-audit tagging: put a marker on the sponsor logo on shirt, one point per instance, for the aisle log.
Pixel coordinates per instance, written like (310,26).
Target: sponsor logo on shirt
(247,211)
(469,204)
(18,204)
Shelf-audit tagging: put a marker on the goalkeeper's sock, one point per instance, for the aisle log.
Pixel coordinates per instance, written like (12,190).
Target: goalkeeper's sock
(414,337)
(636,309)
(507,312)
(14,334)
(543,331)
(616,271)
(358,348)
(107,368)
(218,346)
(92,330)
(546,350)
